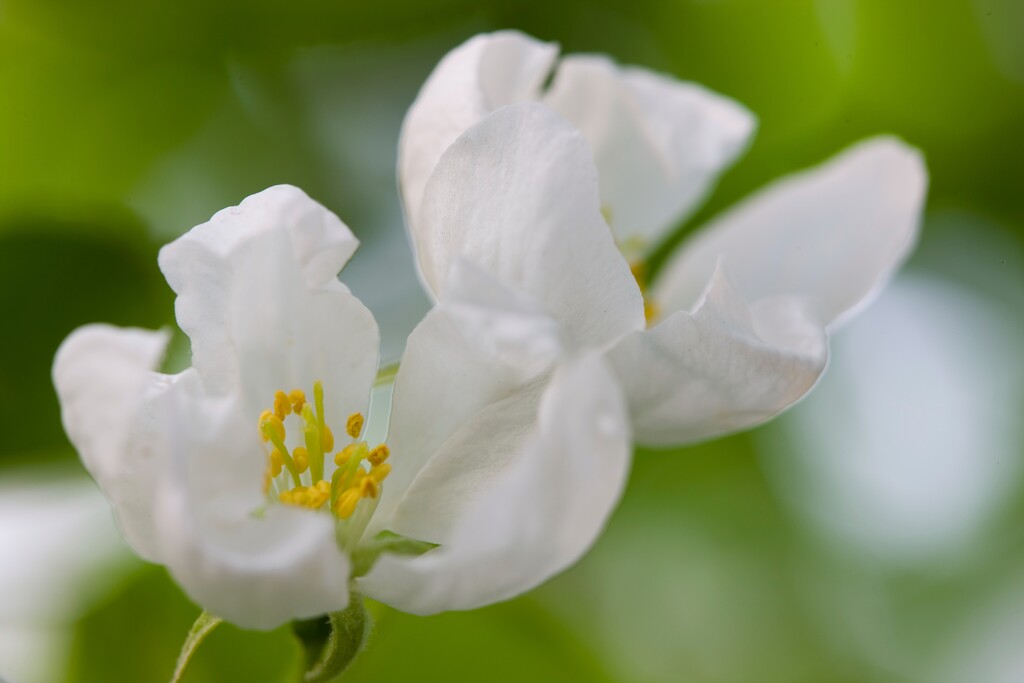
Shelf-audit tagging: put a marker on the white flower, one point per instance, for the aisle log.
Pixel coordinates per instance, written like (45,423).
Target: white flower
(229,472)
(658,143)
(739,315)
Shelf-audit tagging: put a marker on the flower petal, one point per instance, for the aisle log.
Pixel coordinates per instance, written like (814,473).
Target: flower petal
(102,374)
(259,298)
(517,195)
(486,72)
(834,234)
(517,495)
(723,368)
(659,143)
(480,345)
(257,570)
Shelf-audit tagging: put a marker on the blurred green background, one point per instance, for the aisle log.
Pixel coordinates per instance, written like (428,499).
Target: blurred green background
(872,534)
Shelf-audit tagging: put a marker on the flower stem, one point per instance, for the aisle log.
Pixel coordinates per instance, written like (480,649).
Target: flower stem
(202,627)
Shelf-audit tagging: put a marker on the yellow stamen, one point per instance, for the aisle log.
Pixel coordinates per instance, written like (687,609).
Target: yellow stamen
(344,454)
(298,399)
(327,440)
(276,462)
(379,454)
(380,472)
(301,457)
(347,503)
(282,406)
(354,426)
(271,426)
(312,497)
(368,487)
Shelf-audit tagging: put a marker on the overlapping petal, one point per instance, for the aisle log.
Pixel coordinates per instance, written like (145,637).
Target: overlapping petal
(484,344)
(516,495)
(517,195)
(832,235)
(659,143)
(727,366)
(485,73)
(258,296)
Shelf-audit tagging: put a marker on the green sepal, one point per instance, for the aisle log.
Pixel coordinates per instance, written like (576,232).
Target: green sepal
(366,554)
(333,641)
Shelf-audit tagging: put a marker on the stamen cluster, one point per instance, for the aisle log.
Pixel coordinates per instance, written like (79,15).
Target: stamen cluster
(348,485)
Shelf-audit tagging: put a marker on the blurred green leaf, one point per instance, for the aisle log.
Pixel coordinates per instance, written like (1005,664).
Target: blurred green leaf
(53,278)
(136,638)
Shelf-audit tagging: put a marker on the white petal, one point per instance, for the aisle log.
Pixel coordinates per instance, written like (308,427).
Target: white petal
(518,495)
(480,345)
(833,235)
(659,143)
(484,73)
(517,195)
(259,298)
(724,367)
(256,571)
(101,374)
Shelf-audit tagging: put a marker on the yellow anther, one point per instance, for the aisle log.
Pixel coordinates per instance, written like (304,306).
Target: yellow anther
(347,502)
(301,458)
(259,425)
(368,487)
(379,454)
(282,406)
(327,440)
(270,426)
(344,454)
(311,497)
(354,426)
(276,462)
(380,472)
(298,399)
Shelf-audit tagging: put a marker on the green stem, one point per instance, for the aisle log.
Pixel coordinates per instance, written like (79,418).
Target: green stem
(203,626)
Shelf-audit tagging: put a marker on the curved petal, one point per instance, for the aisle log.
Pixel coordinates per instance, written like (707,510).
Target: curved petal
(832,235)
(723,368)
(486,72)
(480,345)
(516,496)
(517,195)
(659,143)
(101,374)
(259,298)
(254,569)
